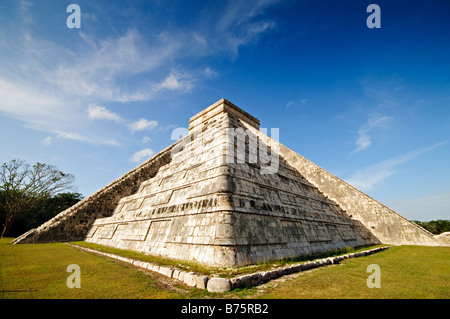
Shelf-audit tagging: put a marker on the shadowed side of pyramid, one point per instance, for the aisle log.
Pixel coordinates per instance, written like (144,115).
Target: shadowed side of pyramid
(227,195)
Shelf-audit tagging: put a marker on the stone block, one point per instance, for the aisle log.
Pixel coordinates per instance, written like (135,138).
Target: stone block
(175,273)
(149,266)
(155,268)
(284,271)
(190,279)
(338,259)
(269,275)
(311,265)
(124,259)
(181,276)
(241,281)
(217,284)
(297,268)
(202,282)
(166,271)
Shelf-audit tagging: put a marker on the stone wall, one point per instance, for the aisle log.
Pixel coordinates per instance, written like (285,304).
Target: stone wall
(178,212)
(74,223)
(387,225)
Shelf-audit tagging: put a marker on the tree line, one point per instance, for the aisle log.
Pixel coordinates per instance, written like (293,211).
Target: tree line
(32,194)
(435,226)
(39,213)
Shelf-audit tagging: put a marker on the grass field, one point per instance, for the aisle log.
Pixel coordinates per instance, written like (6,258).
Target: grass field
(406,272)
(39,271)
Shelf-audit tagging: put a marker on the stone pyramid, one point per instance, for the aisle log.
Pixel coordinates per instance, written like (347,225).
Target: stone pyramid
(227,194)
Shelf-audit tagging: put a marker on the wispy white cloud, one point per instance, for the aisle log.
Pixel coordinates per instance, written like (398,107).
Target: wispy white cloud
(29,103)
(64,135)
(142,124)
(98,71)
(384,92)
(367,178)
(99,112)
(291,103)
(247,35)
(364,139)
(230,26)
(47,141)
(138,156)
(25,8)
(46,112)
(210,73)
(48,85)
(50,93)
(176,81)
(237,14)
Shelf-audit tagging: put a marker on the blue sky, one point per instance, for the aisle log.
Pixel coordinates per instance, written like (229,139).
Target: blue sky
(371,106)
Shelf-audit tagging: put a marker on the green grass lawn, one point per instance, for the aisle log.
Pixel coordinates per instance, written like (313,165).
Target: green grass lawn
(407,272)
(39,271)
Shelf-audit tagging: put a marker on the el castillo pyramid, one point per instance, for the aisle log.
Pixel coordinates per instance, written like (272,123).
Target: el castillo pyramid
(227,194)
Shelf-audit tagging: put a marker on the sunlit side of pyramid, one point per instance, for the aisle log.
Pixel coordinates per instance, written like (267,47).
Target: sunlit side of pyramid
(228,195)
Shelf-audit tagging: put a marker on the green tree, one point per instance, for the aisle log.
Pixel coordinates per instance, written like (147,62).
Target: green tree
(435,226)
(23,185)
(43,211)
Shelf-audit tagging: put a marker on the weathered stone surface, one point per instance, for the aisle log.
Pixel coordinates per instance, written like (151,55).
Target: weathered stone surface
(443,238)
(338,259)
(247,280)
(297,268)
(166,271)
(190,279)
(216,284)
(211,197)
(175,273)
(267,276)
(149,266)
(202,282)
(386,225)
(155,268)
(75,223)
(180,276)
